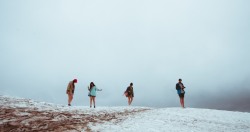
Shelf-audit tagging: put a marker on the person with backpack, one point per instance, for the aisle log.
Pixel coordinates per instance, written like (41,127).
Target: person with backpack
(129,93)
(92,93)
(180,91)
(70,91)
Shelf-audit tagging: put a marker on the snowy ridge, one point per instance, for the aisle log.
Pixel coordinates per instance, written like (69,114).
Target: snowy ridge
(15,102)
(19,114)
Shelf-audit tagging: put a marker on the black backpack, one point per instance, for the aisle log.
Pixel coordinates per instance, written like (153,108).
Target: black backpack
(177,86)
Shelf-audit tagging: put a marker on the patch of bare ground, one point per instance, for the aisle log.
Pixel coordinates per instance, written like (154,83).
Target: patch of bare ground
(32,119)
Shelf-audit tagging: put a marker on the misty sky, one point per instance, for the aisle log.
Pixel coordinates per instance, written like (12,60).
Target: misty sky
(45,44)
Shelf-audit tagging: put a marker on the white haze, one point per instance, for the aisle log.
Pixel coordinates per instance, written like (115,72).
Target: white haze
(45,44)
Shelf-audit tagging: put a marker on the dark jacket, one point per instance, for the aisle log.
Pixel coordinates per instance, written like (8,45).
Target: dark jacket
(178,87)
(130,91)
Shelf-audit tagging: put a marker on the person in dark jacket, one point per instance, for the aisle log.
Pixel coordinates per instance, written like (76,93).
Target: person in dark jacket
(129,93)
(180,91)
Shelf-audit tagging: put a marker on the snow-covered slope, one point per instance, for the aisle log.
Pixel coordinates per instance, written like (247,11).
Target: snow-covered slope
(19,114)
(27,115)
(182,120)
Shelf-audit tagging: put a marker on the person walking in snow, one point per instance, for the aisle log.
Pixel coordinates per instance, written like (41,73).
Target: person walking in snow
(92,93)
(129,93)
(180,90)
(70,91)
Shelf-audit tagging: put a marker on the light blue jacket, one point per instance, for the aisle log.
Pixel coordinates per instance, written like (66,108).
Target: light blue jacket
(93,91)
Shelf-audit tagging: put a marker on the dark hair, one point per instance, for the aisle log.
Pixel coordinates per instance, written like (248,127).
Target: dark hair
(131,84)
(92,84)
(180,79)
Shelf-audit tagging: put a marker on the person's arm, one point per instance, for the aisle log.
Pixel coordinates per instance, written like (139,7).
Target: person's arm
(98,89)
(88,88)
(132,92)
(183,86)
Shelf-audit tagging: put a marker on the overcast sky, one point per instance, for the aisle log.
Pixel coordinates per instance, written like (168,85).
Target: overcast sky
(45,44)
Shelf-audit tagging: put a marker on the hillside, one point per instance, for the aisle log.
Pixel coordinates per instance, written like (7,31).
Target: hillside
(19,114)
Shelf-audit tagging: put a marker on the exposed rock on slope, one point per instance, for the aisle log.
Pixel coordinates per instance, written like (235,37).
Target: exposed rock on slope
(27,115)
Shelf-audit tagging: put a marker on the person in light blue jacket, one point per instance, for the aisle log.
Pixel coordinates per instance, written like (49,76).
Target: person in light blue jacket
(92,93)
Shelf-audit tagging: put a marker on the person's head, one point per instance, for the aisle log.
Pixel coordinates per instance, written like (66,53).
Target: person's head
(131,84)
(180,80)
(92,84)
(75,81)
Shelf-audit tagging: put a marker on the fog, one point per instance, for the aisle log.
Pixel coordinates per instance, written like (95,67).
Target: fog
(46,44)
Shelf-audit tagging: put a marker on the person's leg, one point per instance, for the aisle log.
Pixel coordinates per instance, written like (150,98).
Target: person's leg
(180,100)
(94,101)
(128,100)
(183,102)
(90,98)
(71,98)
(131,100)
(68,99)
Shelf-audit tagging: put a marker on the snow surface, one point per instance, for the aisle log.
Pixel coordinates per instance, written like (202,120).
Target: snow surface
(181,120)
(15,102)
(122,119)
